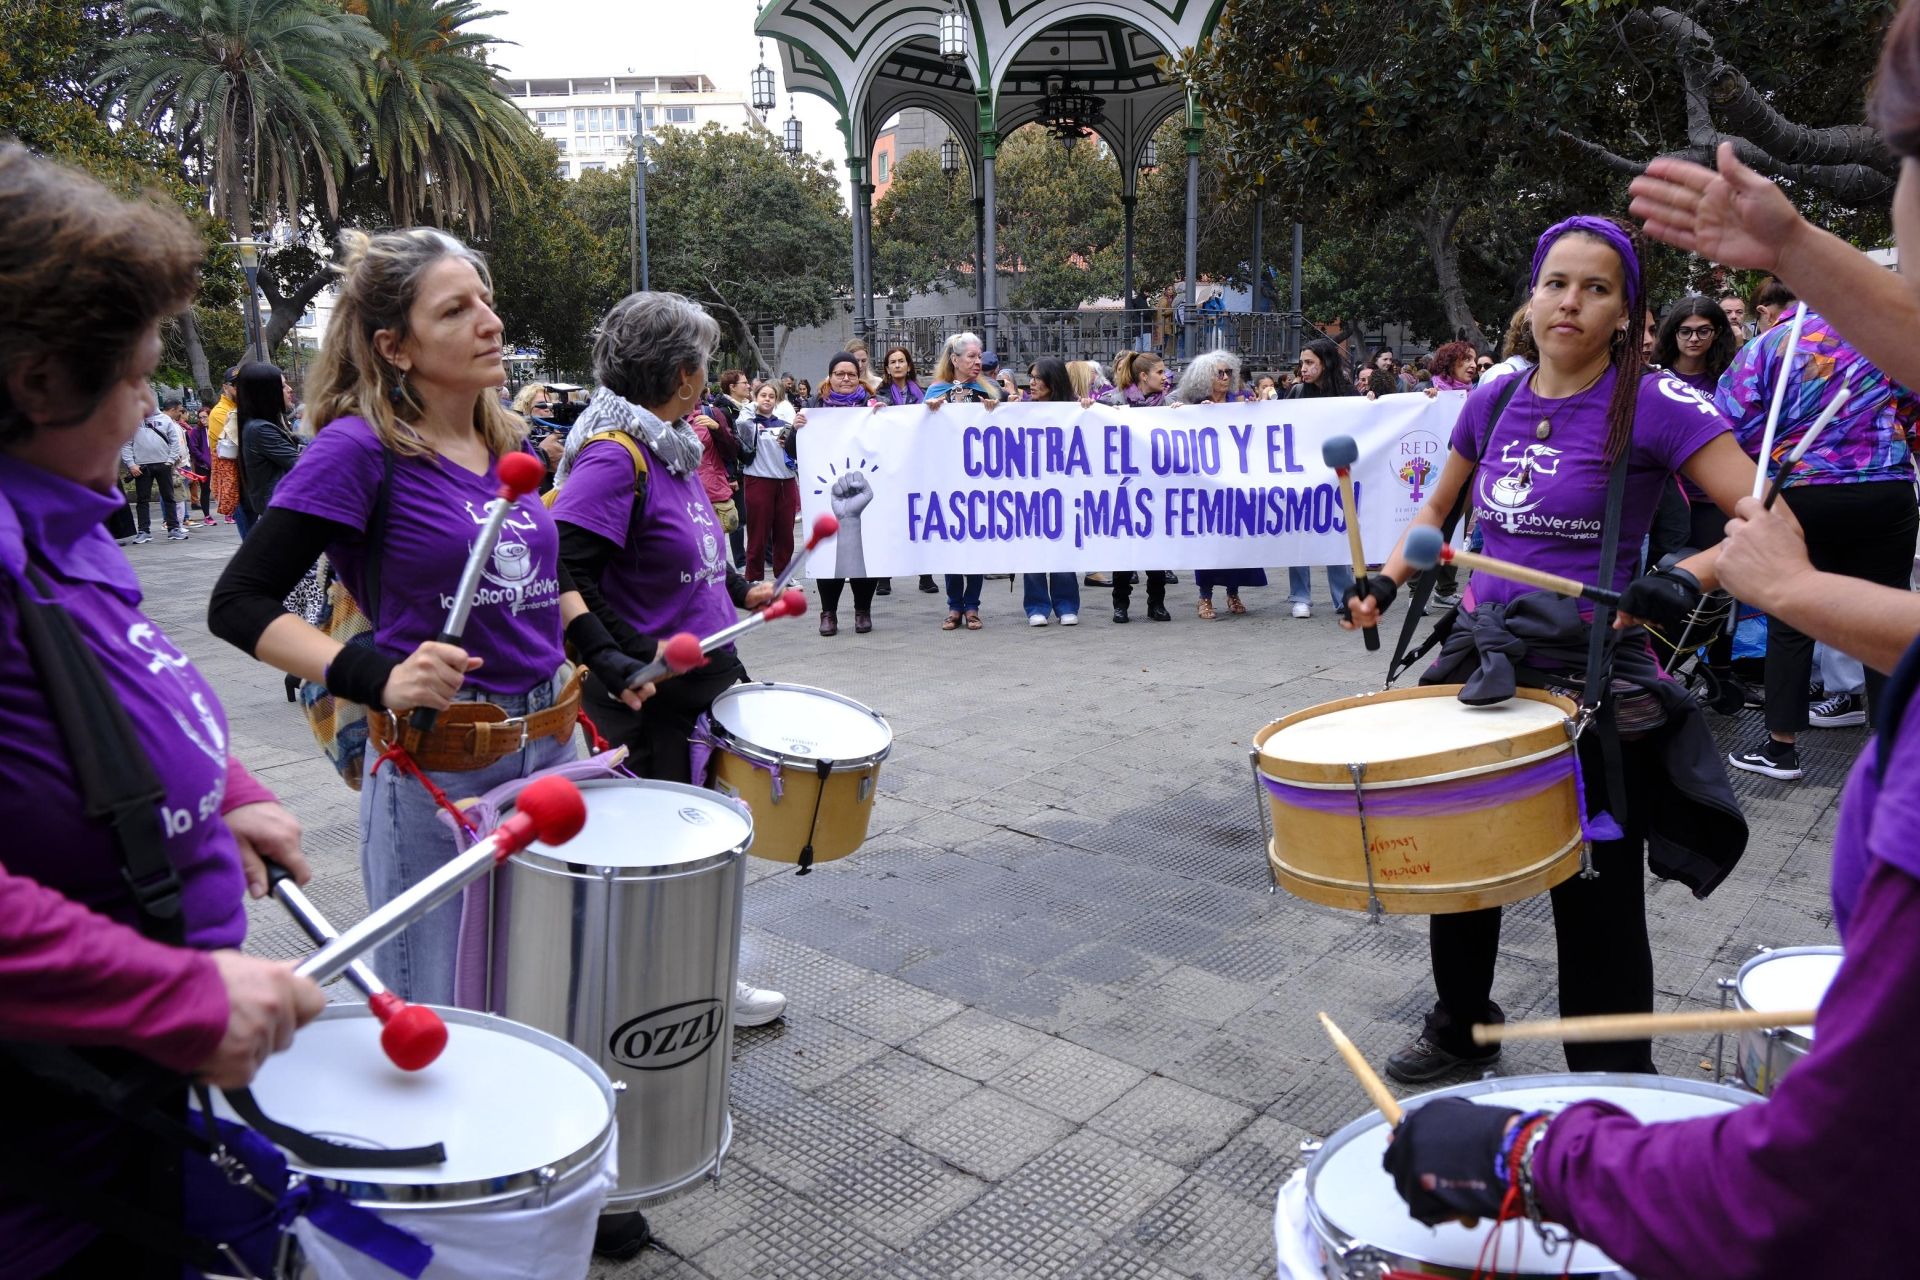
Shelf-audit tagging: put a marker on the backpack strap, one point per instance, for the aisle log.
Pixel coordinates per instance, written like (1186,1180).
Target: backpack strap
(634,451)
(1424,581)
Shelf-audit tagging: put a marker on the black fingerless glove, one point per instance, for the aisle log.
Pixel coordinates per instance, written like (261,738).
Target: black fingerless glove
(359,673)
(594,645)
(1445,1160)
(1381,589)
(1665,596)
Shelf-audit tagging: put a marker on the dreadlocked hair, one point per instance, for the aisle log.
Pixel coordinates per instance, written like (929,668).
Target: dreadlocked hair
(1623,351)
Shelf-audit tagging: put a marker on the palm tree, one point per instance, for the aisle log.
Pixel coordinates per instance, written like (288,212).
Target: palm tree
(262,94)
(443,136)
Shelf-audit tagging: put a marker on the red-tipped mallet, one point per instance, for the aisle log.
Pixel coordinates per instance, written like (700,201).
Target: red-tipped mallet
(683,652)
(520,474)
(824,527)
(1424,548)
(550,810)
(412,1035)
(1340,453)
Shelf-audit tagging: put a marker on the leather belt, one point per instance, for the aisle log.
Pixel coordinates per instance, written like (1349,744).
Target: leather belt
(473,735)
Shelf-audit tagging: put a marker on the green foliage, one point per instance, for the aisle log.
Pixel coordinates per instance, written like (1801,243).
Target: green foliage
(923,229)
(1059,220)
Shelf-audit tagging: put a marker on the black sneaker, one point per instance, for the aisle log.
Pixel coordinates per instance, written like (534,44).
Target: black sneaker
(1774,759)
(1158,613)
(884,587)
(928,585)
(1120,615)
(1841,711)
(1423,1060)
(621,1236)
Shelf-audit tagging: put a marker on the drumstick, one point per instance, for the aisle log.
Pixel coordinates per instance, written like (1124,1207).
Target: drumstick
(551,810)
(1639,1026)
(824,527)
(412,1035)
(1779,396)
(1376,1089)
(1800,450)
(1340,453)
(683,651)
(519,473)
(1424,548)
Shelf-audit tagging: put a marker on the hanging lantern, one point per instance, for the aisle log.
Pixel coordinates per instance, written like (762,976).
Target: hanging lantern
(1150,157)
(950,156)
(790,136)
(953,35)
(762,80)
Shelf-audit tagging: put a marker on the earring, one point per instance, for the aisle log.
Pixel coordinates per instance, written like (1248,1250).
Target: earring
(401,393)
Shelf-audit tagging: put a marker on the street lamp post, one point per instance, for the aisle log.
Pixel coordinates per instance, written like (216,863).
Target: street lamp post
(638,231)
(249,250)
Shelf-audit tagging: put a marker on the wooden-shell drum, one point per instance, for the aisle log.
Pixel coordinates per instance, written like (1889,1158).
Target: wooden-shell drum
(1461,807)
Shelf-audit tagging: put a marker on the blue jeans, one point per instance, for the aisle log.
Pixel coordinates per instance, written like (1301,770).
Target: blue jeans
(1300,584)
(963,593)
(402,841)
(1058,592)
(244,518)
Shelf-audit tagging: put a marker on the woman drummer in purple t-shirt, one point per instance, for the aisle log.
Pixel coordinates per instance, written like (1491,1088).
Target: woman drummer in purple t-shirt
(394,490)
(1540,477)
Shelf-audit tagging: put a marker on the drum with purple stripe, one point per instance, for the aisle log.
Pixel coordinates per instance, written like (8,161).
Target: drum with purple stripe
(1412,801)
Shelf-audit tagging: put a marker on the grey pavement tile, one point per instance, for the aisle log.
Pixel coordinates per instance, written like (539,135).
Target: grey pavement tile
(806,974)
(887,1010)
(989,1134)
(654,1264)
(1106,962)
(1258,1159)
(896,1091)
(806,1051)
(797,1139)
(969,976)
(1206,1231)
(797,1240)
(1125,1264)
(1172,1121)
(1093,1180)
(1050,1003)
(976,1045)
(1144,1037)
(712,1210)
(1193,992)
(1238,1067)
(1001,1239)
(897,1195)
(1067,1080)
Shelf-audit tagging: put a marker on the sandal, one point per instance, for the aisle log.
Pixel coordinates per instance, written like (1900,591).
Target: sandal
(952,623)
(1234,605)
(973,621)
(1206,610)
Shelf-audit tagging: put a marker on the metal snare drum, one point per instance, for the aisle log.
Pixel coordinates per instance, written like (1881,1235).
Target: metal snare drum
(1775,982)
(805,761)
(527,1121)
(625,942)
(1363,1226)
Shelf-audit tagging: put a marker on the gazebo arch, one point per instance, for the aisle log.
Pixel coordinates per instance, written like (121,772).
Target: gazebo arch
(869,59)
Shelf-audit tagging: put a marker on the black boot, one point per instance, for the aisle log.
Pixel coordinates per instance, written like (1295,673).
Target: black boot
(1120,613)
(622,1236)
(928,585)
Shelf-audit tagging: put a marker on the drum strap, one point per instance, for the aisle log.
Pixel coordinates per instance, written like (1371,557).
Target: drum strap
(825,769)
(323,1153)
(1423,582)
(1600,642)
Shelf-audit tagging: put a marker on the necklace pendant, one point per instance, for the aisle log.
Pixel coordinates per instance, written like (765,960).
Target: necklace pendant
(1544,430)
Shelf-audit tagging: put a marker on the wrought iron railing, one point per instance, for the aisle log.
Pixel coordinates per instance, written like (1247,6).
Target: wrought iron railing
(1266,340)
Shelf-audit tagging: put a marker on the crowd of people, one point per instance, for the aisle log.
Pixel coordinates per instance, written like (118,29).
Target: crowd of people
(139,833)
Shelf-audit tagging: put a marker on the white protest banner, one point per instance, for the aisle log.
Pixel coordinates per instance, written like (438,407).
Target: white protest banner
(1053,487)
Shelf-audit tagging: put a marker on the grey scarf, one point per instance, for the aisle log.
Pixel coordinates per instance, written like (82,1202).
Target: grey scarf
(673,442)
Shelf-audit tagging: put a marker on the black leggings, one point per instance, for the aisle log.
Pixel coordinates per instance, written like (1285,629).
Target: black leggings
(657,736)
(1859,530)
(862,593)
(1599,925)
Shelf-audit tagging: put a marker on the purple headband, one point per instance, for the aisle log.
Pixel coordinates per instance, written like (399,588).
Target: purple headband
(1605,229)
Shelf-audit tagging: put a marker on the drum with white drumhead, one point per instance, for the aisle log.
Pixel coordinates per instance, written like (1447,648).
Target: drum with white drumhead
(1780,981)
(625,942)
(1361,1225)
(527,1122)
(806,761)
(1412,801)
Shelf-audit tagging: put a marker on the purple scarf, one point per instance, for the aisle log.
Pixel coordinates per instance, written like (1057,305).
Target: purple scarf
(1140,400)
(1448,384)
(913,394)
(841,399)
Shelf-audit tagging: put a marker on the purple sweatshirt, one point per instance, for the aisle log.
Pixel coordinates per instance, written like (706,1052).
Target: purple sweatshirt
(1816,1180)
(73,968)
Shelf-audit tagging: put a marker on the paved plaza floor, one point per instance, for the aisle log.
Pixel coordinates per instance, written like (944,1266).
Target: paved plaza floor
(1049,1021)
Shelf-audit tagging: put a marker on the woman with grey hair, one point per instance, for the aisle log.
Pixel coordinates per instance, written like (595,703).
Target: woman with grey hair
(641,541)
(1214,378)
(957,379)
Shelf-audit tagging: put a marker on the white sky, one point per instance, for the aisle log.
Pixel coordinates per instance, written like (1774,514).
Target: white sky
(713,38)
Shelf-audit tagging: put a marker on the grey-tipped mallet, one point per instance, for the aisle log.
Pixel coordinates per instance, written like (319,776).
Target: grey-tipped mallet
(1340,453)
(1425,548)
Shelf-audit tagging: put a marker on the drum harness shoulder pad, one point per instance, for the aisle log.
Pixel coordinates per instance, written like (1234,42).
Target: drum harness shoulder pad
(119,786)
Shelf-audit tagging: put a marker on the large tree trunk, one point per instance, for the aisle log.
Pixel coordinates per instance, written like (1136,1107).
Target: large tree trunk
(287,310)
(1437,222)
(196,356)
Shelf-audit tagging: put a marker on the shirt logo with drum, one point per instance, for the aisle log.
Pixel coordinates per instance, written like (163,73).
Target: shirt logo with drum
(167,662)
(668,1037)
(1509,498)
(512,577)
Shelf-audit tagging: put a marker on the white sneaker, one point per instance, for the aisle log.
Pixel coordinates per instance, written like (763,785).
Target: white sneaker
(1037,620)
(753,1007)
(1069,619)
(1302,610)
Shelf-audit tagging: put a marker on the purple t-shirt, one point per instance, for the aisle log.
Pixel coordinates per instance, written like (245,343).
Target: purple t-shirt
(670,571)
(434,516)
(1541,503)
(1706,385)
(179,724)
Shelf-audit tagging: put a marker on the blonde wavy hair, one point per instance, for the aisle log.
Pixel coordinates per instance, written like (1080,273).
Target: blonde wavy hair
(523,402)
(379,283)
(943,370)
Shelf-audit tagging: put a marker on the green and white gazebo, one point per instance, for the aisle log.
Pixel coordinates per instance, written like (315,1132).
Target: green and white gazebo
(987,67)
